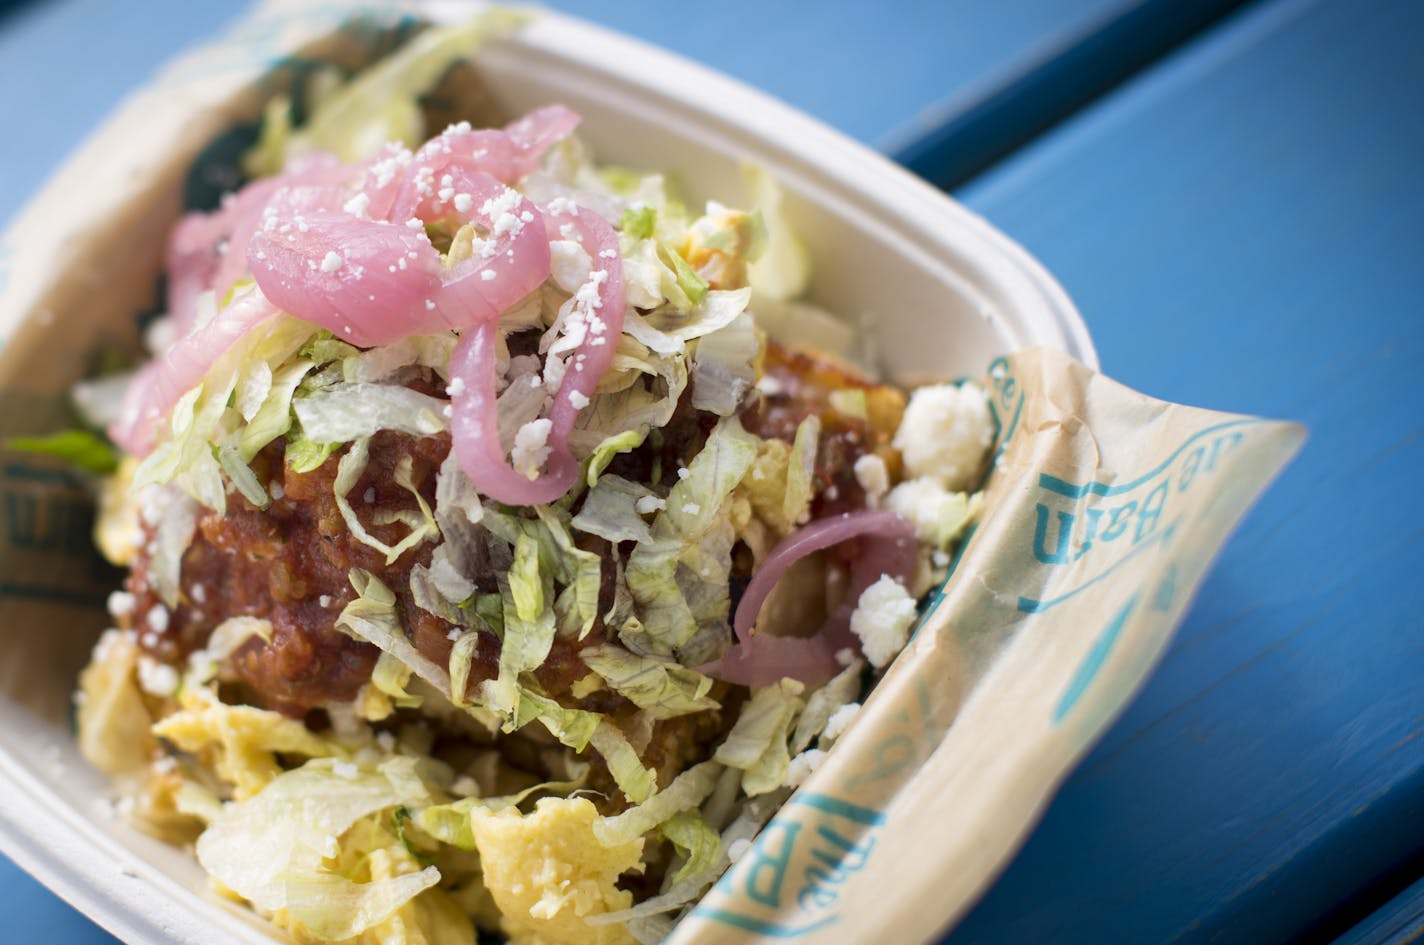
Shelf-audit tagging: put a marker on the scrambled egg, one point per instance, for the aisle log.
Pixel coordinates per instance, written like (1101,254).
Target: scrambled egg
(548,872)
(117,531)
(240,743)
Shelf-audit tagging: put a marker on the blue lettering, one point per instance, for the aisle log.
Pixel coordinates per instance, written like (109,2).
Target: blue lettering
(1092,517)
(1118,520)
(1040,533)
(768,869)
(1189,469)
(892,756)
(1151,511)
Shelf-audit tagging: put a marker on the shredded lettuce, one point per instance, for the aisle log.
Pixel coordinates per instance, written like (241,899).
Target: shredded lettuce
(693,837)
(208,425)
(687,790)
(381,104)
(639,223)
(270,848)
(372,617)
(610,447)
(303,455)
(273,415)
(349,412)
(757,743)
(694,509)
(348,472)
(529,622)
(332,908)
(686,283)
(661,687)
(634,779)
(840,690)
(723,367)
(450,823)
(610,511)
(178,519)
(462,657)
(391,677)
(572,727)
(243,479)
(780,485)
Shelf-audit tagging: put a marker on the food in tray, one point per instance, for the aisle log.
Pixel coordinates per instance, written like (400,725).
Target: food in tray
(502,549)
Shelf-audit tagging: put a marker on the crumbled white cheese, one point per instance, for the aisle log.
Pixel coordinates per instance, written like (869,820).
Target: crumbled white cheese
(331,847)
(276,490)
(121,604)
(937,514)
(803,765)
(456,387)
(569,264)
(357,205)
(332,262)
(157,618)
(648,504)
(530,447)
(324,601)
(579,399)
(840,720)
(199,593)
(945,434)
(882,620)
(873,477)
(346,770)
(157,678)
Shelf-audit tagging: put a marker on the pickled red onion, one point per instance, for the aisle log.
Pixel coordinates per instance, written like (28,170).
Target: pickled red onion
(357,261)
(506,154)
(161,382)
(209,250)
(887,546)
(592,327)
(474,429)
(373,282)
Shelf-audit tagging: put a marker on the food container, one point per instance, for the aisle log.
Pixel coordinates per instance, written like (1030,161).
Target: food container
(940,291)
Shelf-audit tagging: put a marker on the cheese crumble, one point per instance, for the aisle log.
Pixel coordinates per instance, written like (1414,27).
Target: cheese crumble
(882,620)
(946,433)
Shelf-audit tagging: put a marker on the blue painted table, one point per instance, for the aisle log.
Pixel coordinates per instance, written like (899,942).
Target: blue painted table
(1241,225)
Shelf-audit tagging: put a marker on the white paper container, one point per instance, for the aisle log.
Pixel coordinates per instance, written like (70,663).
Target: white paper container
(946,292)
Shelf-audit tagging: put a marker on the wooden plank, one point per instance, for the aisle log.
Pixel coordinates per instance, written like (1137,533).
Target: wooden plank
(972,128)
(1242,228)
(864,69)
(1399,922)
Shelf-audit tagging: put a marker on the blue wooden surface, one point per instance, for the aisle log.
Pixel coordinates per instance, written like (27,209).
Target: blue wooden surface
(1244,229)
(1241,227)
(867,69)
(1398,922)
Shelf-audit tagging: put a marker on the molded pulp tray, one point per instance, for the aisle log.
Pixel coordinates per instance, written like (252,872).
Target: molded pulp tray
(944,291)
